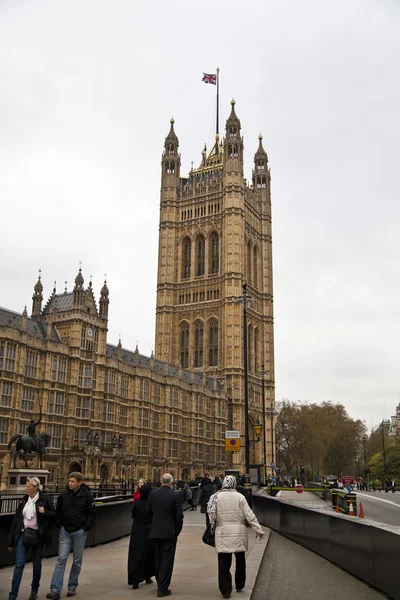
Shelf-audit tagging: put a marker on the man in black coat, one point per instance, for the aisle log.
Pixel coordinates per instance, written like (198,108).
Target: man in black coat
(75,515)
(165,507)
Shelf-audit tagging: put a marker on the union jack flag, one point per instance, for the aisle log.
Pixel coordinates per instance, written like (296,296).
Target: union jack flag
(207,78)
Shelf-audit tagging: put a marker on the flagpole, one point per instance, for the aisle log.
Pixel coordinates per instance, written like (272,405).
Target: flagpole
(217,100)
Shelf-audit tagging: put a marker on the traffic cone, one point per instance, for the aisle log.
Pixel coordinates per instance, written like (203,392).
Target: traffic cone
(361,511)
(351,509)
(337,508)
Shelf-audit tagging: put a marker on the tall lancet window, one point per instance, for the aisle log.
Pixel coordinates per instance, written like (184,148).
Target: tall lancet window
(256,362)
(199,344)
(249,261)
(214,253)
(213,344)
(255,265)
(185,345)
(200,255)
(186,258)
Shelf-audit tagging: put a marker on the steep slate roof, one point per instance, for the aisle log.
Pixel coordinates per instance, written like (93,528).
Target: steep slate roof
(59,303)
(144,361)
(9,318)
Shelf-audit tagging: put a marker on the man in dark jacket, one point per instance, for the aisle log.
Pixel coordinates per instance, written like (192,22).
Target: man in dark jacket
(165,507)
(75,514)
(207,491)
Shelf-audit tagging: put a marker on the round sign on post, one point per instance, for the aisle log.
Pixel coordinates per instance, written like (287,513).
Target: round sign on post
(299,488)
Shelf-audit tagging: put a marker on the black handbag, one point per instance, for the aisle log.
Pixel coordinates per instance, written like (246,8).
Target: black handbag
(209,536)
(30,537)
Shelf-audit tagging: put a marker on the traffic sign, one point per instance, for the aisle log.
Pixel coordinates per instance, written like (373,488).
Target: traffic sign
(232,434)
(232,445)
(299,488)
(347,480)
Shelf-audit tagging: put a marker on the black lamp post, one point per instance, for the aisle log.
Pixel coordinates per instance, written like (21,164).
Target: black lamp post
(245,299)
(383,452)
(263,373)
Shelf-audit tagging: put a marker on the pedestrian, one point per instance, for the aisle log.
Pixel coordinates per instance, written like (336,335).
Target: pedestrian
(229,512)
(75,515)
(217,483)
(141,556)
(188,495)
(393,486)
(208,490)
(32,518)
(136,494)
(165,508)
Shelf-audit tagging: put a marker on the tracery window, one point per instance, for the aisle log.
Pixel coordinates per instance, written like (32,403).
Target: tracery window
(200,255)
(249,262)
(255,266)
(185,345)
(214,253)
(186,258)
(213,344)
(198,344)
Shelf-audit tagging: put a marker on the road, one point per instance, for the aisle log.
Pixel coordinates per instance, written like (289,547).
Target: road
(381,506)
(289,571)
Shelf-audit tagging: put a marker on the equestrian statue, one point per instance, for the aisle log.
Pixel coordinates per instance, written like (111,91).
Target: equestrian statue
(29,444)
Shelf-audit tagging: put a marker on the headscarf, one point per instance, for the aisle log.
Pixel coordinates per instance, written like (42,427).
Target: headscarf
(229,483)
(145,491)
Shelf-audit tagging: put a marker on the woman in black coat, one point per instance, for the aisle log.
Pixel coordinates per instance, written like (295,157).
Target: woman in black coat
(35,512)
(140,557)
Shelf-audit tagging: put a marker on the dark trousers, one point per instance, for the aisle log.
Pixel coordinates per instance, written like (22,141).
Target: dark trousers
(224,573)
(21,556)
(164,556)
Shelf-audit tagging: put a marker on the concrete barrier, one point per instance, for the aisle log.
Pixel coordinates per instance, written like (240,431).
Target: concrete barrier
(367,549)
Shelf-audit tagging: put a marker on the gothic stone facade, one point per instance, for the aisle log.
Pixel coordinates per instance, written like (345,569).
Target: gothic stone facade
(112,413)
(215,235)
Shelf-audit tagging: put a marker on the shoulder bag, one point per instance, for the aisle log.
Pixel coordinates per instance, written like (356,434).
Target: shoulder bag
(30,537)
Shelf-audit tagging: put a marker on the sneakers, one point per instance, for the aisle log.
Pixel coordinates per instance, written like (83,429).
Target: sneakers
(71,592)
(54,595)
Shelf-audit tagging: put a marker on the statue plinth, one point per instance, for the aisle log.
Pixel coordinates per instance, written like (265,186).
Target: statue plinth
(17,479)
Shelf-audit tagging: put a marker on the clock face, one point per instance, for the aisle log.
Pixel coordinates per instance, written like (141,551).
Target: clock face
(90,332)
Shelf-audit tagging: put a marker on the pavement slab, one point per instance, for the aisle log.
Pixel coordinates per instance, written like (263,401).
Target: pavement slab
(104,571)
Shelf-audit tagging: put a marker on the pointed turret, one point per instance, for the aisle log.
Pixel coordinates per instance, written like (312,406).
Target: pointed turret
(79,290)
(171,160)
(260,170)
(37,297)
(233,155)
(24,319)
(104,301)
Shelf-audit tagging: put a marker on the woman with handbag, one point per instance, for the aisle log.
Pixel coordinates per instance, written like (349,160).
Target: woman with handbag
(31,528)
(229,512)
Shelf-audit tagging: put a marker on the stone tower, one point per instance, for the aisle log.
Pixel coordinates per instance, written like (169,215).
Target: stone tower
(215,235)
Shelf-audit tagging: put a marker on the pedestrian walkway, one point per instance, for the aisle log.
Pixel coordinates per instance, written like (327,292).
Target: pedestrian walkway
(104,571)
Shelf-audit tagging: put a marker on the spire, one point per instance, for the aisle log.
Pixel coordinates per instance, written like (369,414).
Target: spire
(37,297)
(171,141)
(233,120)
(260,151)
(104,301)
(260,170)
(79,290)
(171,161)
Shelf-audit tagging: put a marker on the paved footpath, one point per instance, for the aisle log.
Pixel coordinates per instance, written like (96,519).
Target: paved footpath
(104,571)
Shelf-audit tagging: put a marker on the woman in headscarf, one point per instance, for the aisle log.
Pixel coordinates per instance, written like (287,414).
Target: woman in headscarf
(228,512)
(32,517)
(136,495)
(140,557)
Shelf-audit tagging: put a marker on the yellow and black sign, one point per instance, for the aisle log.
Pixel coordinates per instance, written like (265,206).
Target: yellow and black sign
(232,444)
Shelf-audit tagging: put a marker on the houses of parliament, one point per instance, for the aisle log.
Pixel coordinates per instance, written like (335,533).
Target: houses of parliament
(116,415)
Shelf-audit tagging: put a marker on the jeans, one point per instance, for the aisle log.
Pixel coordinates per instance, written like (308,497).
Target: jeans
(21,556)
(75,540)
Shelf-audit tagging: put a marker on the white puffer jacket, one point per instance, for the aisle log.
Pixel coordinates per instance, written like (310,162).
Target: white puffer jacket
(232,514)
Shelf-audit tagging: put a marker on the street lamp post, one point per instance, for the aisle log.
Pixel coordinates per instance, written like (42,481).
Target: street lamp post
(364,439)
(383,452)
(245,299)
(263,373)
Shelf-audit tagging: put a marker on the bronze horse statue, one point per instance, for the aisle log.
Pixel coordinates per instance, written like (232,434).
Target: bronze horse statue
(25,444)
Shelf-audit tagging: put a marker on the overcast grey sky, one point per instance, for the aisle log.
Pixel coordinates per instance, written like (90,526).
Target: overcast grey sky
(87,89)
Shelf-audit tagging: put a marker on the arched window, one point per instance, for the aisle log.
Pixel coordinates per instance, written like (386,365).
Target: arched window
(256,362)
(185,345)
(186,258)
(167,167)
(230,151)
(235,151)
(214,253)
(198,344)
(249,261)
(255,266)
(264,182)
(200,255)
(213,344)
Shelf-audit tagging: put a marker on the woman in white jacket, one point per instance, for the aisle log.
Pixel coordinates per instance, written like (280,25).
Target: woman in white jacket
(228,512)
